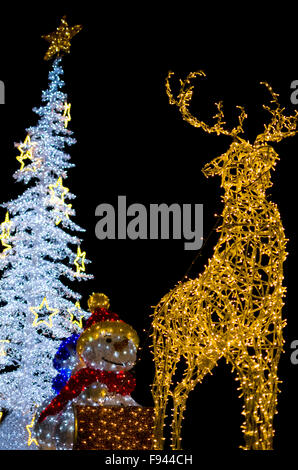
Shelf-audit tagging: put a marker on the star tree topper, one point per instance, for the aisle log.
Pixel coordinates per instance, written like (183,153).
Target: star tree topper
(60,39)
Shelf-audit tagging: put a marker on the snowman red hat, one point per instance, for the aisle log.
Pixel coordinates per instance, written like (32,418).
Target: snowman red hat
(104,322)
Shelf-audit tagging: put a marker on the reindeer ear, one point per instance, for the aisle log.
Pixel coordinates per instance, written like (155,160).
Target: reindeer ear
(281,126)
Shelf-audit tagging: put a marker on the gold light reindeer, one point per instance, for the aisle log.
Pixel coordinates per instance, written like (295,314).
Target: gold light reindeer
(233,310)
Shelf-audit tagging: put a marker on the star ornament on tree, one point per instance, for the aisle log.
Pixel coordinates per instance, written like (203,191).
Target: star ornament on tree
(79,261)
(75,317)
(66,114)
(5,234)
(26,152)
(60,39)
(57,190)
(43,311)
(29,428)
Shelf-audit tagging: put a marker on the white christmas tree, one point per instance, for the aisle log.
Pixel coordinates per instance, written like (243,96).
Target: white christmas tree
(40,254)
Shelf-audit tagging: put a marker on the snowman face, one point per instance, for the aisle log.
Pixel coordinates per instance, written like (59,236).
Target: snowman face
(110,352)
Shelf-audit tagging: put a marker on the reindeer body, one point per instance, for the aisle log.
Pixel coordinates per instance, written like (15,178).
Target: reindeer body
(234,308)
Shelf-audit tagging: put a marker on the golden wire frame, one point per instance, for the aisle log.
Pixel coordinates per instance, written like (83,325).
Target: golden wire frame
(233,310)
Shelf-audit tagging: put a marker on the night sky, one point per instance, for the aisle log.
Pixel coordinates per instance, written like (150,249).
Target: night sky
(131,142)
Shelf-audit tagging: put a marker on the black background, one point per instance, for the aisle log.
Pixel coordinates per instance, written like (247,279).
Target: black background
(131,142)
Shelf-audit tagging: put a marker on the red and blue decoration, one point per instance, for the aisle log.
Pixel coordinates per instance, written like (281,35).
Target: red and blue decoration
(64,361)
(122,382)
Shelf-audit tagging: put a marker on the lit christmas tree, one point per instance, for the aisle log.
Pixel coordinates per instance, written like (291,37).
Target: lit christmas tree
(39,251)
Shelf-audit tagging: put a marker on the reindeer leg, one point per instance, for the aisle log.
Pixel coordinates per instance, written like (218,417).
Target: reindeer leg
(165,366)
(197,368)
(257,374)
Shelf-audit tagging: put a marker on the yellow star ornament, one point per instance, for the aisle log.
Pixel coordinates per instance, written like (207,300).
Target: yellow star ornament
(24,155)
(40,311)
(31,440)
(76,319)
(66,114)
(79,262)
(60,39)
(57,190)
(5,233)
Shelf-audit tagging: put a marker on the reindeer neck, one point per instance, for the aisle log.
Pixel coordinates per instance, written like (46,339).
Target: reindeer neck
(243,204)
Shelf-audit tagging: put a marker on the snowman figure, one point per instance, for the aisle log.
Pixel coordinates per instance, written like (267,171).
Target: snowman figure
(106,351)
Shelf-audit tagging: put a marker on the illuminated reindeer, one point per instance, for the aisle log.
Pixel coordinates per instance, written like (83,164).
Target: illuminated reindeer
(233,310)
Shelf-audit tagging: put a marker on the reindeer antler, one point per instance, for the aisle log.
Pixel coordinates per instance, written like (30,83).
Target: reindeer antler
(183,101)
(280,126)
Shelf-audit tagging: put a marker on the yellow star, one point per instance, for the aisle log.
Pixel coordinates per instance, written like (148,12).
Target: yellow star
(35,310)
(5,226)
(5,233)
(25,155)
(74,319)
(58,188)
(29,427)
(80,261)
(66,113)
(60,39)
(55,189)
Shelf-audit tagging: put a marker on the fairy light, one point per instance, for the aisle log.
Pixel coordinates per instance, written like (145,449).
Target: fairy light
(114,428)
(233,310)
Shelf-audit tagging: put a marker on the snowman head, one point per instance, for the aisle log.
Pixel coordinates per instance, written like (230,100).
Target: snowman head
(107,343)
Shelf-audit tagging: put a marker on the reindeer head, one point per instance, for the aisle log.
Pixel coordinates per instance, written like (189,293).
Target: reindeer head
(244,165)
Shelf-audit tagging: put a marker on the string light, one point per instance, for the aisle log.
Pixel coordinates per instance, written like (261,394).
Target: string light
(114,428)
(233,310)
